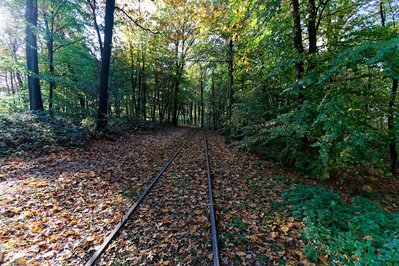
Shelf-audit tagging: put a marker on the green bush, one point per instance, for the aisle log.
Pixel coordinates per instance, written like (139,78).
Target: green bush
(357,233)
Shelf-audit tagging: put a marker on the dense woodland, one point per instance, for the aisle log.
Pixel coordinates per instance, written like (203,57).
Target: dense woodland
(309,87)
(312,84)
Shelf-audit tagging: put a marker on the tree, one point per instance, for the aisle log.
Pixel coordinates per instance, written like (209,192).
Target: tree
(391,111)
(32,62)
(105,63)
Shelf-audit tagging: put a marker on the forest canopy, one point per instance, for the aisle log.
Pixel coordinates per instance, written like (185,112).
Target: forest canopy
(311,84)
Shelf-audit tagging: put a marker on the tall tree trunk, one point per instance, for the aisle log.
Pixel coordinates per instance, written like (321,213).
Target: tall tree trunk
(312,30)
(132,80)
(93,6)
(139,89)
(391,115)
(202,104)
(175,101)
(230,81)
(391,126)
(12,82)
(155,96)
(32,62)
(191,113)
(299,65)
(105,62)
(213,101)
(50,51)
(195,114)
(144,88)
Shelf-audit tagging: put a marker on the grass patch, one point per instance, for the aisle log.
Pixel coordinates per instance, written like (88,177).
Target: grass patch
(356,233)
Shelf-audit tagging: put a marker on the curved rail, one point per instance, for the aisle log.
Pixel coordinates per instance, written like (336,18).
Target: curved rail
(215,249)
(111,236)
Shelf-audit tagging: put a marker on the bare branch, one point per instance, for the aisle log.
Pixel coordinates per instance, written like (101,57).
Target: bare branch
(135,21)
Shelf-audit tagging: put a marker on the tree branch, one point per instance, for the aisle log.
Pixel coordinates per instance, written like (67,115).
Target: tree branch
(135,21)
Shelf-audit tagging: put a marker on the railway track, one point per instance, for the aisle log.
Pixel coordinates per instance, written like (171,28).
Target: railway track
(129,215)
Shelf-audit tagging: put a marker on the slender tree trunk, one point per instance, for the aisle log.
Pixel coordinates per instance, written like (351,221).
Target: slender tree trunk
(17,72)
(132,80)
(49,24)
(391,127)
(202,104)
(50,50)
(191,113)
(144,88)
(213,101)
(19,78)
(7,83)
(139,89)
(391,115)
(175,102)
(312,31)
(32,62)
(96,26)
(12,82)
(230,82)
(105,62)
(299,65)
(155,96)
(195,114)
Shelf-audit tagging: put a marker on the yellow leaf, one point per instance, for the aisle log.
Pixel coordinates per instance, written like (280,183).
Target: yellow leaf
(273,235)
(241,254)
(285,228)
(21,261)
(40,184)
(73,222)
(53,238)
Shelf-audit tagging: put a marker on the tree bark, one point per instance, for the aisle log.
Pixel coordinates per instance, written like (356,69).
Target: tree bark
(32,61)
(230,81)
(96,26)
(391,115)
(202,104)
(391,126)
(105,63)
(144,88)
(50,51)
(213,101)
(312,30)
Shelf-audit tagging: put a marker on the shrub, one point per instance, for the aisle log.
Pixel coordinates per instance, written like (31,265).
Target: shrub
(357,233)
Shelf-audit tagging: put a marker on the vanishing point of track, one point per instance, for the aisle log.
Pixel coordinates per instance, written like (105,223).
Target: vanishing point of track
(95,257)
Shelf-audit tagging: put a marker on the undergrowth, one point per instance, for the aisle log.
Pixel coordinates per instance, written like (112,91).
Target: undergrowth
(28,133)
(356,233)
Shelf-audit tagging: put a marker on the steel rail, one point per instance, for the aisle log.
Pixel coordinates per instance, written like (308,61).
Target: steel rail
(215,249)
(114,232)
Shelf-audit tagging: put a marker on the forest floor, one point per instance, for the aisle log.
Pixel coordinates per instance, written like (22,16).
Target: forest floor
(58,208)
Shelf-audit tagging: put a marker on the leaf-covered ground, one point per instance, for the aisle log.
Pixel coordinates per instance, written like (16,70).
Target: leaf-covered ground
(171,227)
(54,208)
(57,209)
(254,228)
